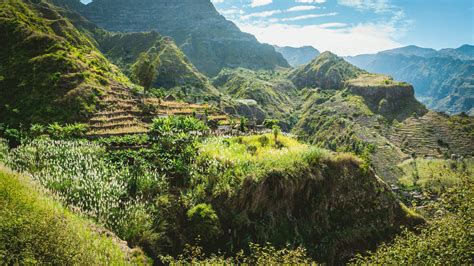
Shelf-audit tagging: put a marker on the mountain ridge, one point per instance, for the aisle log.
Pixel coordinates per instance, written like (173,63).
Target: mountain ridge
(202,33)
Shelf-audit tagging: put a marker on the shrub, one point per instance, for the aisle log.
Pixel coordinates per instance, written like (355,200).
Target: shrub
(264,140)
(204,222)
(447,240)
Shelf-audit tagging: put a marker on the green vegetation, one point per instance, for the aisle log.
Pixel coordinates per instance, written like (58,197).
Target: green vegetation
(174,72)
(34,229)
(144,70)
(327,71)
(445,240)
(51,71)
(435,175)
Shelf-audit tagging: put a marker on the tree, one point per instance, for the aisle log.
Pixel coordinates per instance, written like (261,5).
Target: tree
(144,70)
(269,123)
(243,124)
(276,132)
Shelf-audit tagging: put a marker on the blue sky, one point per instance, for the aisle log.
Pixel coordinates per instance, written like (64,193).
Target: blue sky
(350,27)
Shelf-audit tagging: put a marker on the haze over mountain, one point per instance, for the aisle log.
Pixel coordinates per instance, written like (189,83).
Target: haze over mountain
(209,40)
(443,80)
(297,56)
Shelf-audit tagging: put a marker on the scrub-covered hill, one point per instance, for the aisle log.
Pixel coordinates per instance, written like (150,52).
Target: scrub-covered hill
(49,71)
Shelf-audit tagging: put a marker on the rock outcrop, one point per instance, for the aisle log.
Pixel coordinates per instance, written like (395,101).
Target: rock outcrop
(209,40)
(385,96)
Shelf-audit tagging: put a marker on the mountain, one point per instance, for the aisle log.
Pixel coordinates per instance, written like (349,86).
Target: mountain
(327,71)
(271,91)
(174,69)
(374,116)
(443,80)
(209,40)
(49,70)
(297,56)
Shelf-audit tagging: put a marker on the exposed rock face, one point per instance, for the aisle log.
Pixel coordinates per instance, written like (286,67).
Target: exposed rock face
(385,96)
(207,38)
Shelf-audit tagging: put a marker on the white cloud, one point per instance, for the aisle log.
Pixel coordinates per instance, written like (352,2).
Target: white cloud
(309,16)
(301,8)
(376,5)
(311,1)
(353,40)
(217,1)
(256,3)
(263,14)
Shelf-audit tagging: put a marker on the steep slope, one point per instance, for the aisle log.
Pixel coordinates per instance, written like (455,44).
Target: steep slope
(344,121)
(327,71)
(37,229)
(269,90)
(301,196)
(443,80)
(298,56)
(174,69)
(207,38)
(379,119)
(49,71)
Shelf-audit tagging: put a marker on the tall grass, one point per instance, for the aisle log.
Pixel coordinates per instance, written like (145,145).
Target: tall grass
(226,162)
(78,173)
(37,230)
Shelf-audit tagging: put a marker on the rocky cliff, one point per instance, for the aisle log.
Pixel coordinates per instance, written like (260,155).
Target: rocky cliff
(384,95)
(207,38)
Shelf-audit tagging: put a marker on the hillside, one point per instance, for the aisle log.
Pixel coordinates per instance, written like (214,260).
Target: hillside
(37,229)
(207,38)
(49,70)
(270,189)
(174,69)
(342,121)
(298,56)
(327,71)
(271,91)
(443,80)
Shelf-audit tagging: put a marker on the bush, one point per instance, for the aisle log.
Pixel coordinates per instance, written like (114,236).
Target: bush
(204,222)
(447,240)
(258,255)
(264,140)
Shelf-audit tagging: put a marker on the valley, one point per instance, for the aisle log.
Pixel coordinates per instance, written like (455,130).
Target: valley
(166,141)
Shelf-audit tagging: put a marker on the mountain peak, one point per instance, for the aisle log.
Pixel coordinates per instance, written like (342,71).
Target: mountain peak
(327,71)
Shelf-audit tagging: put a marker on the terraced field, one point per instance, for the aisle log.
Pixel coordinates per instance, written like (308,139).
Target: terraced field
(431,135)
(124,113)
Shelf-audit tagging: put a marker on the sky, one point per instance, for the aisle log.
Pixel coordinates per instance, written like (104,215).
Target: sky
(351,27)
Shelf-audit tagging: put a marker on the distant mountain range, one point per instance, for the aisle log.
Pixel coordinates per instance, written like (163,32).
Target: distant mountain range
(209,40)
(298,56)
(443,79)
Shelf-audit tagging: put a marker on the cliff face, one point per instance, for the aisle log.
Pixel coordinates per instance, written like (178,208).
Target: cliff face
(385,96)
(207,38)
(333,206)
